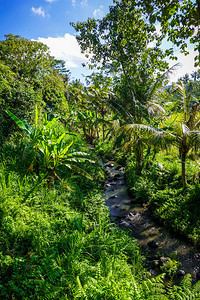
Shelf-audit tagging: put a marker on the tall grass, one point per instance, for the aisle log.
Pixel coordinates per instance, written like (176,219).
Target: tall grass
(57,237)
(160,184)
(60,244)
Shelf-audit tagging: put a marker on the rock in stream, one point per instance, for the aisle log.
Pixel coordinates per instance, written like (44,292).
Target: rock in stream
(153,238)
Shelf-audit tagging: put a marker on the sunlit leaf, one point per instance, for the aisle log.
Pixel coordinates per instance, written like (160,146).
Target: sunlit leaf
(21,124)
(78,170)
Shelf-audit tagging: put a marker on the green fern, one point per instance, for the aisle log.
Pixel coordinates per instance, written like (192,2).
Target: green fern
(185,291)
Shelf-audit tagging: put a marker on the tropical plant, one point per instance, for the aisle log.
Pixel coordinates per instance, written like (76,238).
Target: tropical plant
(181,129)
(119,44)
(178,20)
(89,107)
(99,93)
(48,149)
(138,120)
(82,114)
(28,76)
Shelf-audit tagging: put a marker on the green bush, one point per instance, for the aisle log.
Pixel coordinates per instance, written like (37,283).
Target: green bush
(59,243)
(105,148)
(161,185)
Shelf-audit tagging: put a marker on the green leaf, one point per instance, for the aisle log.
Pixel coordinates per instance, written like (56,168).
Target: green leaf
(79,171)
(36,115)
(21,124)
(79,153)
(81,159)
(64,151)
(60,138)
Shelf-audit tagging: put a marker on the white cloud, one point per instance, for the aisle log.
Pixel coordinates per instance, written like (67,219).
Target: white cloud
(73,2)
(65,48)
(98,13)
(187,62)
(84,3)
(38,11)
(50,1)
(68,49)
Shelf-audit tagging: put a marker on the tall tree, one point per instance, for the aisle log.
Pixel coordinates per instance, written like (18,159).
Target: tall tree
(150,94)
(36,78)
(29,60)
(120,40)
(120,44)
(179,20)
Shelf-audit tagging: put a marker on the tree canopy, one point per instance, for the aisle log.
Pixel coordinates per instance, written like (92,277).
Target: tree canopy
(29,75)
(123,44)
(120,41)
(179,20)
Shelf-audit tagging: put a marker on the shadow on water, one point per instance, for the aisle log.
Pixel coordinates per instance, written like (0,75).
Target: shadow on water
(155,240)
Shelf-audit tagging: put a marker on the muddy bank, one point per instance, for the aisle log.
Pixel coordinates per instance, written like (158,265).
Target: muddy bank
(156,242)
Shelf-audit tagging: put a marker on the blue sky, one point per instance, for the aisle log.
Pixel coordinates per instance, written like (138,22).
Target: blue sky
(44,18)
(48,21)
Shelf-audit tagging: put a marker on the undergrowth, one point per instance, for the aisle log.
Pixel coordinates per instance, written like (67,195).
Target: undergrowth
(160,185)
(59,243)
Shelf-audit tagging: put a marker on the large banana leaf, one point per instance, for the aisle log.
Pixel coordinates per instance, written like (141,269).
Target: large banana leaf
(21,123)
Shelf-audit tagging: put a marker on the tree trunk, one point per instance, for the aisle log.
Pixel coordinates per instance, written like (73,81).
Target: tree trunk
(96,124)
(198,8)
(139,158)
(183,161)
(103,128)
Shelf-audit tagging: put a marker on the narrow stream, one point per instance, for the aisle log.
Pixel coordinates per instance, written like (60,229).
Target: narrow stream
(155,240)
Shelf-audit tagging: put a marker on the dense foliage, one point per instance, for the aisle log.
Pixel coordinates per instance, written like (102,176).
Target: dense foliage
(57,240)
(59,243)
(179,22)
(28,76)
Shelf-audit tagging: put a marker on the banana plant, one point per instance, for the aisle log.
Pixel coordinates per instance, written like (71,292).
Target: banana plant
(49,150)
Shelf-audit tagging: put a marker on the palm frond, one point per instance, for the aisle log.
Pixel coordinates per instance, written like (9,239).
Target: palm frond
(191,123)
(118,107)
(195,139)
(159,82)
(154,108)
(127,146)
(162,139)
(130,129)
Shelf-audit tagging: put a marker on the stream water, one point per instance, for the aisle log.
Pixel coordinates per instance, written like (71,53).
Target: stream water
(152,237)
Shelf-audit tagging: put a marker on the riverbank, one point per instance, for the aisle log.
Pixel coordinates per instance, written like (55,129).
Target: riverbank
(164,250)
(58,242)
(172,205)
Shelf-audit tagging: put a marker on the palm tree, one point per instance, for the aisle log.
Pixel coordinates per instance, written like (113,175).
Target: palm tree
(181,129)
(136,114)
(195,75)
(97,99)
